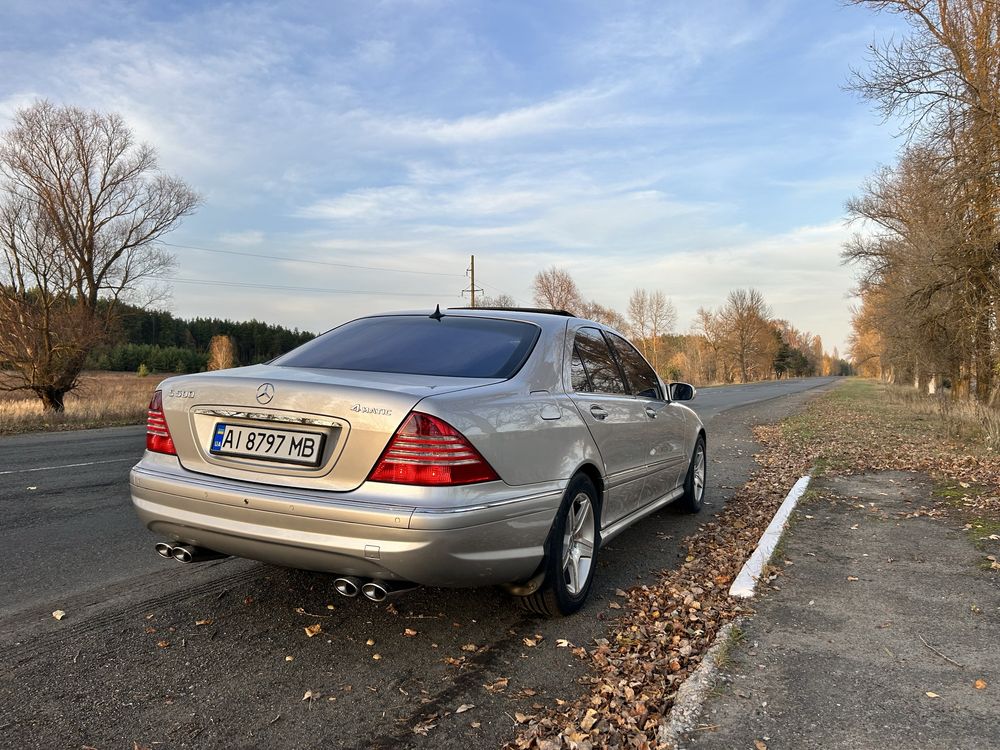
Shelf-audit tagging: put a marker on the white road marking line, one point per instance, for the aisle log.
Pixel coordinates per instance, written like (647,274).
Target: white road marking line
(67,466)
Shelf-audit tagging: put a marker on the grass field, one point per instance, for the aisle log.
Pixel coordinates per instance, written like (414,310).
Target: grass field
(104,399)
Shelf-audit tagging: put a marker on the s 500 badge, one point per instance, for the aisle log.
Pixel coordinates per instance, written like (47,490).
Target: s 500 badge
(180,393)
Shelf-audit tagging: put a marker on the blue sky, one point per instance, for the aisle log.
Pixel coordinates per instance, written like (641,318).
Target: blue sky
(688,147)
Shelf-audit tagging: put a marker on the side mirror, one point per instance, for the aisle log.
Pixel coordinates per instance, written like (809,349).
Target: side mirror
(682,391)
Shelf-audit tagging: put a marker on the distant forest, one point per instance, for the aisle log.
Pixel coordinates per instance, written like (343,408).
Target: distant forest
(164,343)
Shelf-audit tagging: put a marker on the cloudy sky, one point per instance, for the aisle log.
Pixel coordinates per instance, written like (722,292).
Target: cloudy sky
(688,147)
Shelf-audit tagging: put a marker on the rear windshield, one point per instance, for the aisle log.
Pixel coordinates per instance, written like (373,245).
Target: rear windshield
(419,345)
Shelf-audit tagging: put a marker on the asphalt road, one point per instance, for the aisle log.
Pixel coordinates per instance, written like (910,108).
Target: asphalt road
(129,664)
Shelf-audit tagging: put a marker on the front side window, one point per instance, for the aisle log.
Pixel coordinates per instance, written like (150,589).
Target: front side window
(454,346)
(597,363)
(641,379)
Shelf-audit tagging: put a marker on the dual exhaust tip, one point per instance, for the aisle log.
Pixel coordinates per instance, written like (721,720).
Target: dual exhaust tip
(349,586)
(186,553)
(375,590)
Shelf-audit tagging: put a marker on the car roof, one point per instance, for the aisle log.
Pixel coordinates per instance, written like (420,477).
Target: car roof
(542,318)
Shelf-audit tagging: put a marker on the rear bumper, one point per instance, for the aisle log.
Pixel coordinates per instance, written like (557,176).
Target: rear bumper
(441,537)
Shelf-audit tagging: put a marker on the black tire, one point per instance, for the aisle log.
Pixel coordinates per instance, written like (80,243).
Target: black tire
(556,596)
(694,495)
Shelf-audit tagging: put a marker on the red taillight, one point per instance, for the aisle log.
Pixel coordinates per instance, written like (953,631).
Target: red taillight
(158,437)
(428,451)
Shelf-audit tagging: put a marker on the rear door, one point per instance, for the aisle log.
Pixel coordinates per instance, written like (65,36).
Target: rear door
(665,427)
(617,421)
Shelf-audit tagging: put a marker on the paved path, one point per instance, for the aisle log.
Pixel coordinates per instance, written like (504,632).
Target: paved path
(840,657)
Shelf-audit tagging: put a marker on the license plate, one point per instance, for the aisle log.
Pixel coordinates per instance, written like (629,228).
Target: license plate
(267,444)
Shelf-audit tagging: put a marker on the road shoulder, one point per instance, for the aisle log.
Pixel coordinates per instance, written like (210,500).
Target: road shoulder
(875,633)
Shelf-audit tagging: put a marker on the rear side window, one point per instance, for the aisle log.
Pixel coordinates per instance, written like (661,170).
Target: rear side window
(454,346)
(641,378)
(596,361)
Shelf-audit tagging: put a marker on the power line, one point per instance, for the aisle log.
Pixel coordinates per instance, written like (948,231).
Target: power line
(291,259)
(282,287)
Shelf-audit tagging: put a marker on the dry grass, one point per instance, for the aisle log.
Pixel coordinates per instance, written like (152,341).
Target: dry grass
(104,399)
(968,420)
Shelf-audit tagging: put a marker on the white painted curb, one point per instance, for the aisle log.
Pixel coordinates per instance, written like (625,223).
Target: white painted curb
(743,586)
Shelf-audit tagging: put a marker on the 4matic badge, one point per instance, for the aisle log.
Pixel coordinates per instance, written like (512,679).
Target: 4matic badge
(371,410)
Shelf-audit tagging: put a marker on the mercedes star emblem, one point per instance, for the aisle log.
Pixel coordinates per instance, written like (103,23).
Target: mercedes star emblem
(265,393)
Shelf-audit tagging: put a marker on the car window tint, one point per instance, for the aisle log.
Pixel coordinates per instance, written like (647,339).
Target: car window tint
(640,376)
(453,346)
(605,377)
(579,374)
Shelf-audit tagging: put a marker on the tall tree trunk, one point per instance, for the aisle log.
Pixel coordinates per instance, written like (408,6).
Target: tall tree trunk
(52,398)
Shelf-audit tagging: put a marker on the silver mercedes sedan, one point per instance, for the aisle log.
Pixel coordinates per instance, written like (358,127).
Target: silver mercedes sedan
(468,447)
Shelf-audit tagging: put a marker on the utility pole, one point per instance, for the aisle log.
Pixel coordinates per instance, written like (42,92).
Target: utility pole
(471,273)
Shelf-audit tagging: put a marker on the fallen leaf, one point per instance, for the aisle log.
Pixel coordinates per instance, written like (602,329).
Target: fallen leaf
(980,684)
(589,719)
(530,642)
(58,614)
(206,621)
(312,630)
(475,725)
(163,644)
(497,686)
(614,605)
(464,707)
(522,718)
(409,632)
(309,696)
(370,642)
(760,744)
(852,578)
(289,658)
(562,643)
(929,694)
(469,647)
(376,657)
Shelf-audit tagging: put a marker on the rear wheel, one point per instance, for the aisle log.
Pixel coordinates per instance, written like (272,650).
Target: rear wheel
(694,483)
(572,553)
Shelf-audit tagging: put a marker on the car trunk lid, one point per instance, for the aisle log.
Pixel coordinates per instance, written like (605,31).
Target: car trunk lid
(348,416)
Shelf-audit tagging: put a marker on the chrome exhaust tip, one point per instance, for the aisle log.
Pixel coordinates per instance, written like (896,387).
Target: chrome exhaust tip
(348,586)
(376,591)
(188,553)
(164,549)
(379,591)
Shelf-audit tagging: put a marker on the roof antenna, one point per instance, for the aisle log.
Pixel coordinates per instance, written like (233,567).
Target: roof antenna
(437,314)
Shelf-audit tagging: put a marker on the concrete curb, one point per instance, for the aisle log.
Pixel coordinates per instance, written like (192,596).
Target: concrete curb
(746,581)
(692,693)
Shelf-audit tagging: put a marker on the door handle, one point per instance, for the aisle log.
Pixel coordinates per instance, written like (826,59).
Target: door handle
(651,412)
(598,412)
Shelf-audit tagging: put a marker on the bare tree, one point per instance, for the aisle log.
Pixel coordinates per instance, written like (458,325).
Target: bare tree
(496,300)
(943,81)
(746,332)
(81,207)
(606,315)
(221,353)
(652,315)
(554,288)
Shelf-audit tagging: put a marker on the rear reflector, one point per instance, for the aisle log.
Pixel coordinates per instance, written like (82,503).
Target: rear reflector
(430,452)
(158,437)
